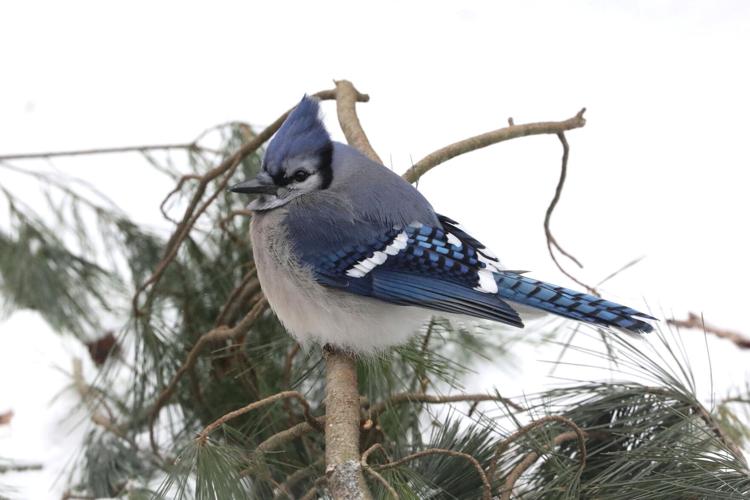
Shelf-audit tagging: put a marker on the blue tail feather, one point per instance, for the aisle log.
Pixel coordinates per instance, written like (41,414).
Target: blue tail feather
(569,303)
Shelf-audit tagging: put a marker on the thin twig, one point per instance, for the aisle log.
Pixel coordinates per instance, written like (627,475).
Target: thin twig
(310,495)
(533,425)
(552,243)
(181,182)
(19,467)
(483,140)
(373,473)
(250,282)
(486,488)
(217,334)
(416,397)
(203,436)
(191,146)
(528,461)
(695,321)
(295,477)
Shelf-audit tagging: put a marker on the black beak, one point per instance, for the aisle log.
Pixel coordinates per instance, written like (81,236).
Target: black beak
(254,186)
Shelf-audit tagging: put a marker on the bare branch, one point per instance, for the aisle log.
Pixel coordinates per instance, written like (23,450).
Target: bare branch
(529,460)
(552,243)
(217,334)
(695,321)
(483,140)
(191,146)
(203,436)
(533,425)
(487,489)
(346,98)
(416,397)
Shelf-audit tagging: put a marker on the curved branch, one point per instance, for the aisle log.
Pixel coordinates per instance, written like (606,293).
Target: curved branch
(203,436)
(580,435)
(552,243)
(486,488)
(346,98)
(528,461)
(412,397)
(217,334)
(483,140)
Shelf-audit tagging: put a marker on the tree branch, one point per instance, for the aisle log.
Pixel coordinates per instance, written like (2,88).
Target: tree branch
(529,460)
(191,146)
(217,334)
(346,98)
(343,468)
(486,488)
(203,436)
(695,321)
(416,397)
(487,139)
(533,425)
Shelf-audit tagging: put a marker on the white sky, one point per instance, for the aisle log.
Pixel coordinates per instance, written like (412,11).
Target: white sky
(659,170)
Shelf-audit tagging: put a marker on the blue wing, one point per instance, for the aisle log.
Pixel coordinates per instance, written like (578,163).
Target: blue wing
(441,267)
(418,265)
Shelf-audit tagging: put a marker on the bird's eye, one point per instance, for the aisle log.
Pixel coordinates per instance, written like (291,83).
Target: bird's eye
(300,175)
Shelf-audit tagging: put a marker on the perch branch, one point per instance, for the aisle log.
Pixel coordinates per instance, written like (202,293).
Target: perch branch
(343,468)
(483,140)
(217,334)
(203,436)
(695,321)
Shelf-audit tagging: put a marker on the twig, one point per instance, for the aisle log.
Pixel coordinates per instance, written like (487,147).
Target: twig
(181,182)
(483,140)
(310,495)
(416,397)
(191,146)
(19,467)
(487,490)
(346,98)
(696,322)
(533,425)
(373,473)
(203,436)
(195,209)
(552,243)
(285,488)
(528,461)
(217,334)
(248,283)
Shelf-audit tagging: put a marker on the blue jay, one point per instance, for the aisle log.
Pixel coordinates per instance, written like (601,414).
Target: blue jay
(350,254)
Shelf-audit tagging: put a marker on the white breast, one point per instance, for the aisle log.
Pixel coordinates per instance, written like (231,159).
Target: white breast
(313,313)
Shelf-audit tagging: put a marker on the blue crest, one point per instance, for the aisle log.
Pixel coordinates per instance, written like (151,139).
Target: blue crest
(301,134)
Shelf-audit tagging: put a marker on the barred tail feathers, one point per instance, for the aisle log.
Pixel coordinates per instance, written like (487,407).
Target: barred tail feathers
(569,303)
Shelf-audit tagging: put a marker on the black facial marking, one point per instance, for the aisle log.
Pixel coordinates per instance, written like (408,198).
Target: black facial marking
(324,168)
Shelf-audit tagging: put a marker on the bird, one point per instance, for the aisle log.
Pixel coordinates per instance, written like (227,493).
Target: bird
(351,256)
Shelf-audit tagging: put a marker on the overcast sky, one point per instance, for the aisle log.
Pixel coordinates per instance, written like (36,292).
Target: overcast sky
(659,171)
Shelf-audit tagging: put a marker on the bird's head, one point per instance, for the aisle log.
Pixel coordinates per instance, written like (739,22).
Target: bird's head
(297,161)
